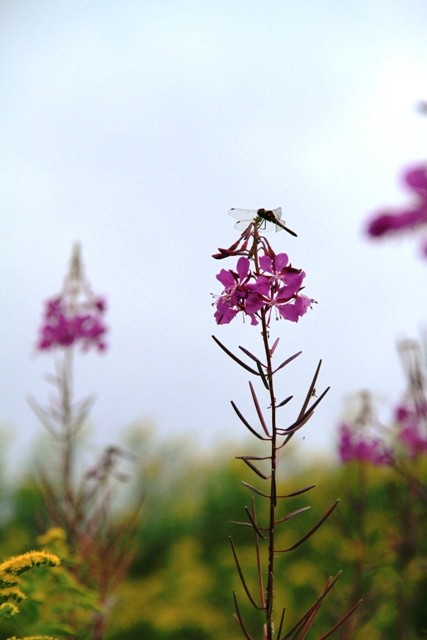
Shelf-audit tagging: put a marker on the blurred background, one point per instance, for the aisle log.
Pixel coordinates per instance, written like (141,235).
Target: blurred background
(134,126)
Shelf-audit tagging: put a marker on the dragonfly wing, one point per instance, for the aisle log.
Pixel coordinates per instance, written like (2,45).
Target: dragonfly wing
(245,216)
(241,225)
(278,214)
(270,218)
(242,214)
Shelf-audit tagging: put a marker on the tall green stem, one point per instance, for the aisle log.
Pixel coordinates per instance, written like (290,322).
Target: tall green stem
(67,435)
(273,499)
(269,600)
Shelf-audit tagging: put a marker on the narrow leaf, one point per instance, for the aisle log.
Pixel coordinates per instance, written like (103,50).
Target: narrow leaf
(311,392)
(311,531)
(282,619)
(273,348)
(254,524)
(252,488)
(240,524)
(246,423)
(309,622)
(258,409)
(311,388)
(241,576)
(302,419)
(295,632)
(318,400)
(235,358)
(249,354)
(262,374)
(44,417)
(285,401)
(341,620)
(253,467)
(287,495)
(239,618)
(287,361)
(298,492)
(292,514)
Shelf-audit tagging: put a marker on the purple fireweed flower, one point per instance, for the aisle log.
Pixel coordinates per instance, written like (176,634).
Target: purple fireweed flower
(63,326)
(75,316)
(276,285)
(411,429)
(408,218)
(280,284)
(363,437)
(354,446)
(386,223)
(416,179)
(294,310)
(239,294)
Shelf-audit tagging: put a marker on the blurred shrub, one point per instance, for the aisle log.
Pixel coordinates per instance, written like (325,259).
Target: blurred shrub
(183,577)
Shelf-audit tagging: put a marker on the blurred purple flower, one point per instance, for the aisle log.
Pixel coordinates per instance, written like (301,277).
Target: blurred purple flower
(411,424)
(75,316)
(416,179)
(63,327)
(408,218)
(353,446)
(386,223)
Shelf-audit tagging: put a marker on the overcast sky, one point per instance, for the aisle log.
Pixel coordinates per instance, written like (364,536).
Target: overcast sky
(134,126)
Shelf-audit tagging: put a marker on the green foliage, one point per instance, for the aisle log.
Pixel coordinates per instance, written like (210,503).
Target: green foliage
(51,603)
(11,571)
(63,606)
(13,589)
(182,582)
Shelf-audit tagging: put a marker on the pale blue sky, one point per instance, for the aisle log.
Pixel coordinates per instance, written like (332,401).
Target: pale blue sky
(134,126)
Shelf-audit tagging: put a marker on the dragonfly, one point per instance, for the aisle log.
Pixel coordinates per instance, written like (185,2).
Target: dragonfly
(261,217)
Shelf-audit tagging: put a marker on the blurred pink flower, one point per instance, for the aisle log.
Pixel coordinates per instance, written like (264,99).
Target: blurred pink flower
(411,424)
(386,222)
(407,218)
(75,316)
(416,179)
(353,446)
(63,326)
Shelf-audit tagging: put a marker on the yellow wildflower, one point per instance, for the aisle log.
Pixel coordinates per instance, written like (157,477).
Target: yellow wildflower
(12,593)
(54,534)
(19,564)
